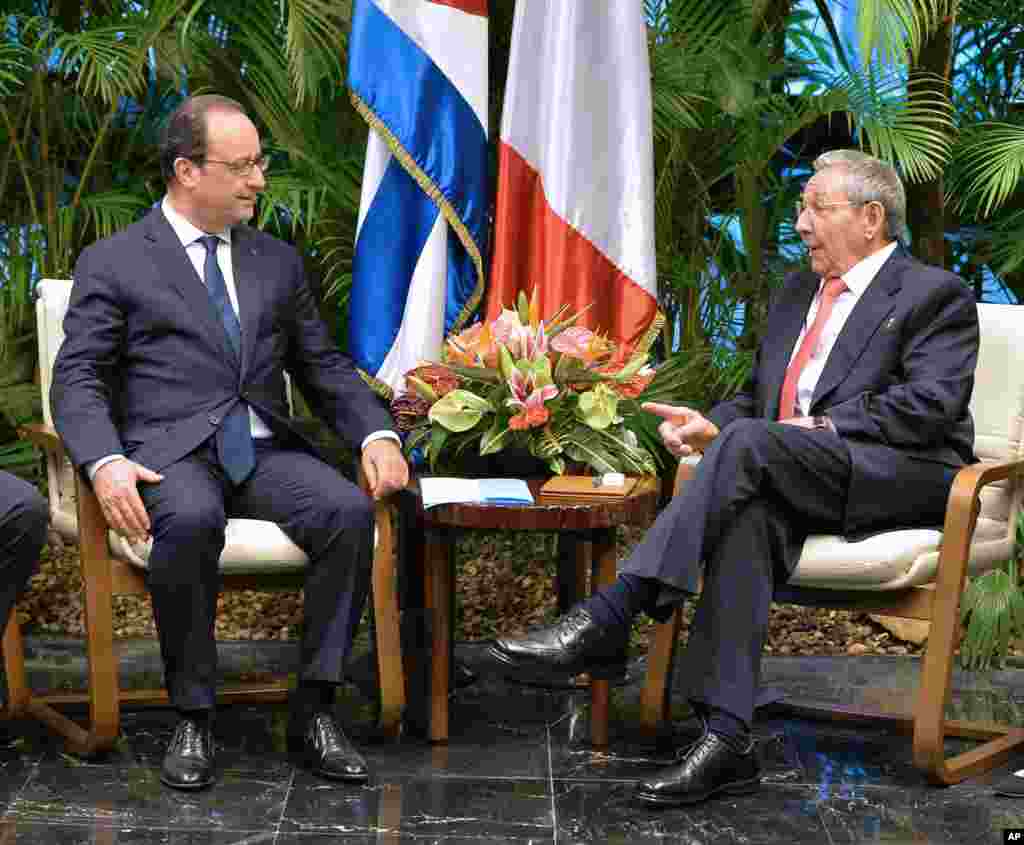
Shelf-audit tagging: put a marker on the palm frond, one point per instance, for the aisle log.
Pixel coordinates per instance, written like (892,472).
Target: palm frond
(1007,241)
(889,30)
(990,166)
(107,59)
(914,132)
(110,211)
(15,61)
(993,608)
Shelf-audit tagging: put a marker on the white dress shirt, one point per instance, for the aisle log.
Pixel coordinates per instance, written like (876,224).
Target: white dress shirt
(191,239)
(857,279)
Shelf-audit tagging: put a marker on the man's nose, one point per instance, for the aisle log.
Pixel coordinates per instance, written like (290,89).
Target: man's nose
(257,181)
(803,226)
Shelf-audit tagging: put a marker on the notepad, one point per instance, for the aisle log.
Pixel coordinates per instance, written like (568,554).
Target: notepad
(482,491)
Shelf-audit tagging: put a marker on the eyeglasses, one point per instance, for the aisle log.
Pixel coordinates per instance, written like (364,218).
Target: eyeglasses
(240,168)
(818,207)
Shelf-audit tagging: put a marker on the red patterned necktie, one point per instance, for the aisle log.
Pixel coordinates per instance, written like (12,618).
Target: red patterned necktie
(787,403)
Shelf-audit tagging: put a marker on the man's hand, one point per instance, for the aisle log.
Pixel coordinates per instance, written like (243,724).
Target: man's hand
(116,486)
(684,431)
(385,467)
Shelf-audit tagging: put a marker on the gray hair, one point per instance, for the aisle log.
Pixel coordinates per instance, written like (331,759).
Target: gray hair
(868,179)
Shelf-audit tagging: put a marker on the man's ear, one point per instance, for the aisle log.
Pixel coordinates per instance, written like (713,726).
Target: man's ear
(874,220)
(186,172)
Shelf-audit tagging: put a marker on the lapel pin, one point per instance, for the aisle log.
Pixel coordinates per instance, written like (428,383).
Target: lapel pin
(890,324)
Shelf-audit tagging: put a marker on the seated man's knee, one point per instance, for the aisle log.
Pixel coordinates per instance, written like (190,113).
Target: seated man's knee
(37,517)
(191,524)
(28,518)
(742,436)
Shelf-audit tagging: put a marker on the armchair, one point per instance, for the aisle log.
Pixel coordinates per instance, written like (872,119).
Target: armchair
(919,573)
(257,555)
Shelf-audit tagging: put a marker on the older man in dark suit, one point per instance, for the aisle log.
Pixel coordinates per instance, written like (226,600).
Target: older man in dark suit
(854,419)
(169,393)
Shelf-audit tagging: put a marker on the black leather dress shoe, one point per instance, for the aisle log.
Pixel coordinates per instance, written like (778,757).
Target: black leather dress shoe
(707,767)
(575,643)
(188,763)
(327,751)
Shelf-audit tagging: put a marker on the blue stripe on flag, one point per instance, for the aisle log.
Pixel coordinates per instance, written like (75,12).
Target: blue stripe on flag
(385,257)
(440,132)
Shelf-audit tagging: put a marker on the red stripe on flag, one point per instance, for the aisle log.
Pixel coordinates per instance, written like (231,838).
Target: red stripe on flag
(470,7)
(535,247)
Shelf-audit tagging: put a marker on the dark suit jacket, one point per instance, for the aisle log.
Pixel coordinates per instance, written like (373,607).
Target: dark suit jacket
(896,384)
(146,368)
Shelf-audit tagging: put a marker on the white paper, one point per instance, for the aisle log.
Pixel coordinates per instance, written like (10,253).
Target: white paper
(491,491)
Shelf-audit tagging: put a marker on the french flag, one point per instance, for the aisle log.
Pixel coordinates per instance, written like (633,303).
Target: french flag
(575,201)
(418,75)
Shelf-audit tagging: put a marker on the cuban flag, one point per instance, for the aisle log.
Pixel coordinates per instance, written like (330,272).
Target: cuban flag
(418,75)
(574,214)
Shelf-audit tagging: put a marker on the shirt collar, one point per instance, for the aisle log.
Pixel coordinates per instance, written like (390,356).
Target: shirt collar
(187,233)
(861,274)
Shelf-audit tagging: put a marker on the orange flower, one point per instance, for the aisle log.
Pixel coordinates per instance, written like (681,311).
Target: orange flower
(473,347)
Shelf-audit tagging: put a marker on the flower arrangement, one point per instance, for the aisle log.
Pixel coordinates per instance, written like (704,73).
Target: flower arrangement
(557,390)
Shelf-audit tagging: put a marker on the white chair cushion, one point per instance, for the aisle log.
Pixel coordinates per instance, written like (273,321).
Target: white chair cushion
(251,546)
(891,559)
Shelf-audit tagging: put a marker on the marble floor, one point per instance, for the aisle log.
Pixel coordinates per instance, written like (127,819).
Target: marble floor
(518,768)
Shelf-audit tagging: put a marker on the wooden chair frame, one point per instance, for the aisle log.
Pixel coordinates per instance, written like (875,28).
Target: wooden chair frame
(939,603)
(103,577)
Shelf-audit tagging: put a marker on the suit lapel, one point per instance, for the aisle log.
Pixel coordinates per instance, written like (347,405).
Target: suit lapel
(791,321)
(176,267)
(860,327)
(246,266)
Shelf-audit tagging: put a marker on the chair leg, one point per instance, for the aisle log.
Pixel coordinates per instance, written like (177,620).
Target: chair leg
(655,697)
(14,666)
(387,623)
(930,724)
(21,702)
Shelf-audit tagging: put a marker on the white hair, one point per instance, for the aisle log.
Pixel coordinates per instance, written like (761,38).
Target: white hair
(867,179)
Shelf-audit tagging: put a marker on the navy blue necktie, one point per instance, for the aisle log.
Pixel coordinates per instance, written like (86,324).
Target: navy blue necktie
(234,438)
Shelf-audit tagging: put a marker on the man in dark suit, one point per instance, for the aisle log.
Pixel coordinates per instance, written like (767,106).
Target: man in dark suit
(23,520)
(854,419)
(169,393)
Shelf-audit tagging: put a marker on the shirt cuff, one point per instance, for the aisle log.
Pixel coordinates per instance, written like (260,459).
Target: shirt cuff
(380,435)
(93,468)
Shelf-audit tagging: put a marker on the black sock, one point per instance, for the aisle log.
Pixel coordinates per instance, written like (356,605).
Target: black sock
(728,726)
(203,718)
(619,603)
(312,697)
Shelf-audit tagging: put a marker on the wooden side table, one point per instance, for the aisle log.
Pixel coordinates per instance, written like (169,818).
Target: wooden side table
(575,524)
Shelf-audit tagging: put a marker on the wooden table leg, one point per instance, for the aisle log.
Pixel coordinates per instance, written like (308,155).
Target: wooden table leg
(604,574)
(437,559)
(573,563)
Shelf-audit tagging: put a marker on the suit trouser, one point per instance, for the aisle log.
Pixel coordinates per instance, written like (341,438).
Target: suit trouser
(323,513)
(741,521)
(24,516)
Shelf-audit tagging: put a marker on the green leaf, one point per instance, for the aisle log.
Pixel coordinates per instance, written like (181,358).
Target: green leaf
(497,437)
(459,410)
(992,607)
(438,437)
